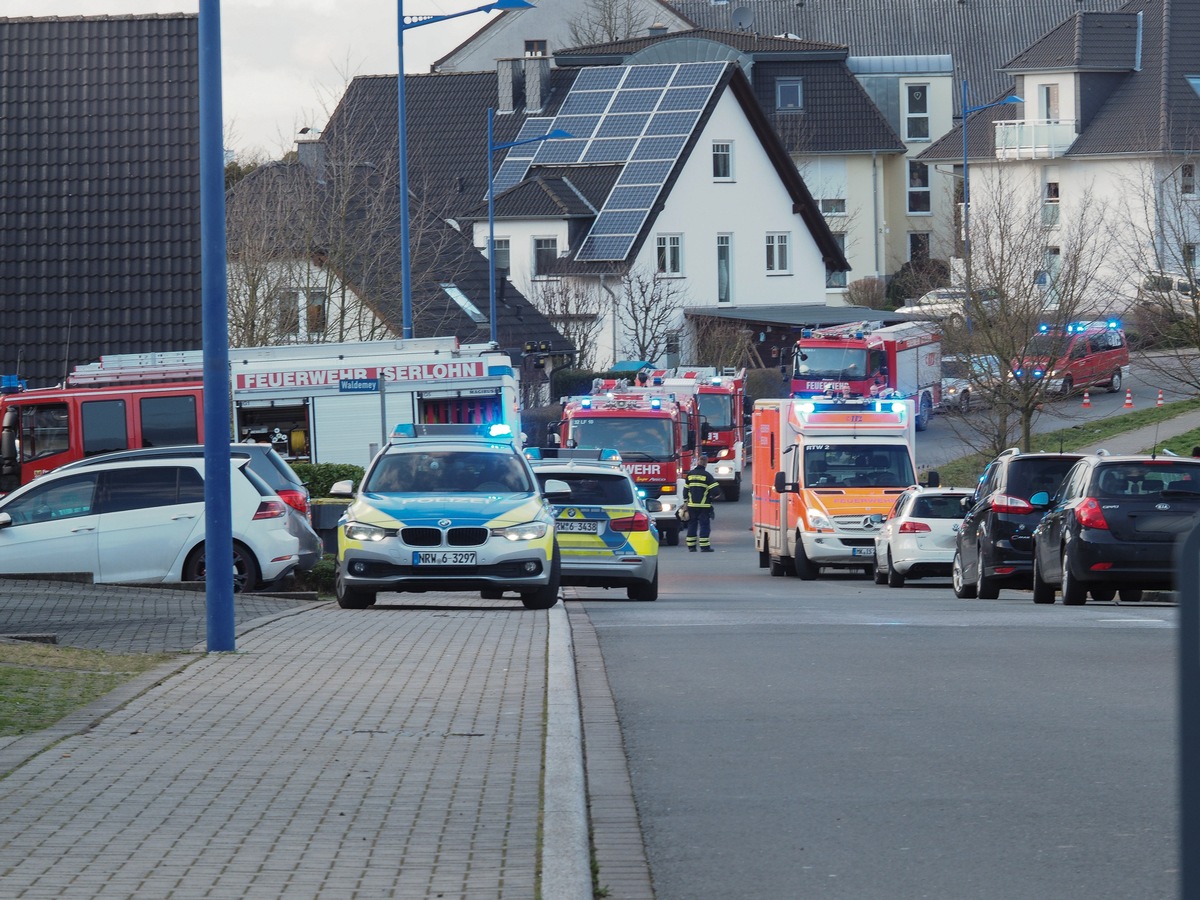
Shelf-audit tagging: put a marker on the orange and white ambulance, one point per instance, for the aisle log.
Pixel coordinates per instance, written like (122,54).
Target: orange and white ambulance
(824,472)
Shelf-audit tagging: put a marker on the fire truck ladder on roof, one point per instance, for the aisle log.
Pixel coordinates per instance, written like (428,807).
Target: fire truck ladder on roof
(125,368)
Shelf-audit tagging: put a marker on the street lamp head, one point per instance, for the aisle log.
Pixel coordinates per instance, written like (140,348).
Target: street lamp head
(557,135)
(1012,98)
(510,4)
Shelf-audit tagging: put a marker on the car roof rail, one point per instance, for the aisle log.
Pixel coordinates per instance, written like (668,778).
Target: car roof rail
(1011,451)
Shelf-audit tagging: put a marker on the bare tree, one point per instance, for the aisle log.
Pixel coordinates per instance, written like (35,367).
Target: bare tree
(575,307)
(1158,235)
(722,343)
(1037,272)
(648,312)
(604,21)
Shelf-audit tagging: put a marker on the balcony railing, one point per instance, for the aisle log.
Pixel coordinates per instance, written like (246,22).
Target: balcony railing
(1033,138)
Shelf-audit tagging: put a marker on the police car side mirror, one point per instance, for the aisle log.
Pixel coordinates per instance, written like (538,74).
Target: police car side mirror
(556,490)
(342,489)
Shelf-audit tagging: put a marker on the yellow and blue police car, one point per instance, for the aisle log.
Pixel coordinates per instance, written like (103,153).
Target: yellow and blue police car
(606,531)
(447,508)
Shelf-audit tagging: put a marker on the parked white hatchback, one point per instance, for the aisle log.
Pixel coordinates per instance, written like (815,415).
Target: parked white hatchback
(141,521)
(916,538)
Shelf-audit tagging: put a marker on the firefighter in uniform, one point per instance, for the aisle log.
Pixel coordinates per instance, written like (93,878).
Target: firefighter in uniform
(699,491)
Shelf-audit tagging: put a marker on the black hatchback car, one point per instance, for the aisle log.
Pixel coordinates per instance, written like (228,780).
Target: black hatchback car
(994,548)
(1113,526)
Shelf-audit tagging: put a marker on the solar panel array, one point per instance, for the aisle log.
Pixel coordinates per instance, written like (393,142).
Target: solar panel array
(641,116)
(518,159)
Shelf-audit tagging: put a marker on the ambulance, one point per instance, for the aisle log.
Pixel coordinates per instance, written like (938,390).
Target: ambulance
(825,471)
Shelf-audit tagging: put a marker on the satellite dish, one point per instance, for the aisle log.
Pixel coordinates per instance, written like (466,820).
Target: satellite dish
(743,18)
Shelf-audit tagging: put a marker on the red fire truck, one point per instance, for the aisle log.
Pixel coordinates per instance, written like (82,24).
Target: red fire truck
(869,360)
(656,432)
(721,394)
(315,403)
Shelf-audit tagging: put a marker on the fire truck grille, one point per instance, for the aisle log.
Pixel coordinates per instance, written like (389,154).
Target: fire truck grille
(453,537)
(853,524)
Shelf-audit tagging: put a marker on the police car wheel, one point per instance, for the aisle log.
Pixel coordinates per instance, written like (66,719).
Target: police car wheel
(351,598)
(546,596)
(647,591)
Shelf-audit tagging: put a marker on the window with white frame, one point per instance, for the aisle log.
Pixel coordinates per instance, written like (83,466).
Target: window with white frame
(316,315)
(724,268)
(789,94)
(779,261)
(918,246)
(502,252)
(545,255)
(916,112)
(918,188)
(1189,257)
(1048,102)
(722,160)
(287,312)
(1187,179)
(670,254)
(535,48)
(827,182)
(837,279)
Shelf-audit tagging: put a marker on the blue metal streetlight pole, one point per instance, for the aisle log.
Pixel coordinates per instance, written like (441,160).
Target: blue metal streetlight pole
(402,25)
(556,135)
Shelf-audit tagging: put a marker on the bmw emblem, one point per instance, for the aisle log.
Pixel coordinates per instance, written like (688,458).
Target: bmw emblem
(444,523)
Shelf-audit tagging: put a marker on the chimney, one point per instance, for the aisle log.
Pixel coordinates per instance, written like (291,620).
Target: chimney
(537,80)
(657,29)
(311,153)
(510,85)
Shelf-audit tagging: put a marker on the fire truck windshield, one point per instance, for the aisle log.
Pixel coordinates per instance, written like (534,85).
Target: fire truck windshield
(857,465)
(632,437)
(840,363)
(718,409)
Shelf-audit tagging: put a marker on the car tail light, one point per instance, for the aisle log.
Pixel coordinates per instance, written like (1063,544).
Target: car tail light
(636,522)
(270,509)
(913,527)
(1007,503)
(296,499)
(1088,514)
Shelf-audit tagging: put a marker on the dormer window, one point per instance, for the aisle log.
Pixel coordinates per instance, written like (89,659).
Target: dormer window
(535,48)
(916,112)
(789,94)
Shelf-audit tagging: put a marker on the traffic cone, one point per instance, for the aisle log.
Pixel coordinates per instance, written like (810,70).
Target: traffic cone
(1159,397)
(1087,400)
(1128,398)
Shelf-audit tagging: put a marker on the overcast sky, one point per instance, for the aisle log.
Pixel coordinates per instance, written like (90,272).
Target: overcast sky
(284,62)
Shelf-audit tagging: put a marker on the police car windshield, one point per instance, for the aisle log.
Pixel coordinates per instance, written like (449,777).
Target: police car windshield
(428,471)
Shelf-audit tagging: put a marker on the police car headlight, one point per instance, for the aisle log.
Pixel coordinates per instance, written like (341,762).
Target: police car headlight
(357,531)
(526,531)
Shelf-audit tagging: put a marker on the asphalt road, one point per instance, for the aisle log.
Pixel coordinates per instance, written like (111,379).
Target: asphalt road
(839,739)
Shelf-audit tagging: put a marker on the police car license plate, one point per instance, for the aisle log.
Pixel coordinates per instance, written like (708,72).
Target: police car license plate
(573,527)
(443,557)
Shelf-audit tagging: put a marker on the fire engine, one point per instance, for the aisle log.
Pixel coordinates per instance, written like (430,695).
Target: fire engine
(312,402)
(824,472)
(722,398)
(869,360)
(655,431)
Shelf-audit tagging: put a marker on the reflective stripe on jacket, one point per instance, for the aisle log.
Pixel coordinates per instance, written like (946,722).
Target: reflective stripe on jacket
(699,487)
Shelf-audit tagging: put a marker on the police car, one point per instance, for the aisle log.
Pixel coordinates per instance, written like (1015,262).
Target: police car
(606,532)
(447,508)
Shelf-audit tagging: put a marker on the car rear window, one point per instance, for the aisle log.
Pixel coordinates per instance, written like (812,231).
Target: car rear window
(1137,479)
(601,490)
(1028,476)
(946,507)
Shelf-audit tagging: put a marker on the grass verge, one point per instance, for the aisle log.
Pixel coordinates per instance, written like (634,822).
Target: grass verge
(965,471)
(42,683)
